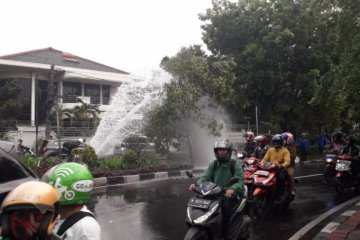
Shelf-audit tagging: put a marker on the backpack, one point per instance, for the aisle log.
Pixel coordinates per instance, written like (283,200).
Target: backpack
(72,220)
(232,166)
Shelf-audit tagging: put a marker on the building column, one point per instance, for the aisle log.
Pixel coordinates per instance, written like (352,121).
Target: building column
(101,93)
(33,91)
(61,91)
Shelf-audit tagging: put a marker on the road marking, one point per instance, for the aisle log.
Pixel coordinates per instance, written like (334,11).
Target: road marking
(330,227)
(348,213)
(307,176)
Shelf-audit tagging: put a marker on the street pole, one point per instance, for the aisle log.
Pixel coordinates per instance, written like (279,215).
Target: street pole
(257,123)
(50,101)
(36,116)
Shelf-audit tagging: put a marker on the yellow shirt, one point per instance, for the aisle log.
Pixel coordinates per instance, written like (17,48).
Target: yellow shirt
(280,155)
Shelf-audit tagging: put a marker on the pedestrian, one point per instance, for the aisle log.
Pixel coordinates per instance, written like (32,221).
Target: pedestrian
(74,183)
(20,149)
(29,212)
(304,147)
(220,171)
(322,142)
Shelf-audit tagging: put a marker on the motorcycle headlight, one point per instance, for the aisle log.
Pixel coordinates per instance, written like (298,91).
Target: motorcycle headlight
(329,160)
(204,217)
(250,161)
(342,165)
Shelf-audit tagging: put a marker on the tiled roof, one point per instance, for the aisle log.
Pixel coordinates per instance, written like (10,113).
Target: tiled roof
(59,58)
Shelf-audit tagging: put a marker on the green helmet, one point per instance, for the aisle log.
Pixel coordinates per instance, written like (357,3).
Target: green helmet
(73,181)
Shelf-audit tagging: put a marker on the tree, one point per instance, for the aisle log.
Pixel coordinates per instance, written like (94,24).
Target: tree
(194,76)
(11,105)
(281,49)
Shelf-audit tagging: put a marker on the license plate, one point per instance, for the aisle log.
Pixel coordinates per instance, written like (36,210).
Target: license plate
(199,203)
(261,173)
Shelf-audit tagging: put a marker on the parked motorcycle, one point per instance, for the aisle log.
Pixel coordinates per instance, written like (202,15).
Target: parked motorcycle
(204,213)
(329,172)
(265,190)
(344,178)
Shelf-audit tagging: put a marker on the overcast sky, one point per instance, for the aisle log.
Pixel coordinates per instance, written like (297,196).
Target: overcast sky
(131,35)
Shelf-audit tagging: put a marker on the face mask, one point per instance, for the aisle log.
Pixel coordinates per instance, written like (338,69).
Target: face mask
(25,223)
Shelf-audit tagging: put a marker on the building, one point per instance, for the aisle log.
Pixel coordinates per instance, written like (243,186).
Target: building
(52,76)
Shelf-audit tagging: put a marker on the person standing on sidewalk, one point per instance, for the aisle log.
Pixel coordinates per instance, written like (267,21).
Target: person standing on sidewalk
(304,147)
(74,183)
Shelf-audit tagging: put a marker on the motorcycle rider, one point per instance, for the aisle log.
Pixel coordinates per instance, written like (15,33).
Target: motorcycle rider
(352,150)
(280,156)
(74,183)
(29,212)
(220,172)
(262,146)
(289,143)
(69,146)
(250,144)
(337,142)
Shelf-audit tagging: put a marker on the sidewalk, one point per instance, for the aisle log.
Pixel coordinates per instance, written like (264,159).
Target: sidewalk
(340,223)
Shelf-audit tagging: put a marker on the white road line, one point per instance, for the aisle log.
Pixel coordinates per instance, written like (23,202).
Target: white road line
(308,176)
(330,227)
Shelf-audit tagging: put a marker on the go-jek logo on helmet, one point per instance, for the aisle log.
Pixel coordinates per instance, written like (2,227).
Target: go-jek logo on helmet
(63,172)
(83,186)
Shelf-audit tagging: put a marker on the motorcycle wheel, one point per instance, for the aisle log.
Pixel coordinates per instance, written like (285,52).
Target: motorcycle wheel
(247,230)
(340,185)
(329,176)
(196,233)
(261,206)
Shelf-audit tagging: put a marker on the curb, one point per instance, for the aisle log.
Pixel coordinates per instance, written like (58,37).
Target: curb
(349,217)
(126,179)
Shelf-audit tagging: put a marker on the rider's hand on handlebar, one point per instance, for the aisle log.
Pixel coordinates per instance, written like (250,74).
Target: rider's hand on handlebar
(229,192)
(192,187)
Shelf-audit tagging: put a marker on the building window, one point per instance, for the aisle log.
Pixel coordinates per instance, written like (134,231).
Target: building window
(106,94)
(93,91)
(71,91)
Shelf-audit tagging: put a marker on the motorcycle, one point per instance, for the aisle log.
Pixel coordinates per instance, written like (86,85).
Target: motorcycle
(329,172)
(344,179)
(250,166)
(204,213)
(265,190)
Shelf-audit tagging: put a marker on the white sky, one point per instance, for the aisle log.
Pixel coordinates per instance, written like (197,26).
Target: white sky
(131,35)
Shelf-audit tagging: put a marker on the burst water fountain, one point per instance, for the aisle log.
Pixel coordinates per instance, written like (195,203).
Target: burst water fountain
(125,112)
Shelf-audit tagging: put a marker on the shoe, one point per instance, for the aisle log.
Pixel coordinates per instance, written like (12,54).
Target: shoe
(293,193)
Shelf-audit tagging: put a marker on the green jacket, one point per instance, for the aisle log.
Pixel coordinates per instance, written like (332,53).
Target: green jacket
(222,175)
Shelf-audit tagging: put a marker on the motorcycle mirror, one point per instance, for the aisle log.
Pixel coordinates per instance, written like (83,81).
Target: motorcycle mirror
(189,174)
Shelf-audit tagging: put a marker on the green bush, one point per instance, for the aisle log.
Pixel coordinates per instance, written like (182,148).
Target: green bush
(30,161)
(112,162)
(87,156)
(149,160)
(51,161)
(130,158)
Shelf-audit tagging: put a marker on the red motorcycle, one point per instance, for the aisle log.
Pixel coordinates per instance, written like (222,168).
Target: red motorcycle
(343,175)
(329,172)
(265,190)
(250,166)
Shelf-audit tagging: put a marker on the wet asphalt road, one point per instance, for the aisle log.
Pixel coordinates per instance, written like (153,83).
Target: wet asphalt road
(156,210)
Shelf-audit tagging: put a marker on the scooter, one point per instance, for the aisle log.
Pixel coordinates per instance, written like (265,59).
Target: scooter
(204,213)
(265,190)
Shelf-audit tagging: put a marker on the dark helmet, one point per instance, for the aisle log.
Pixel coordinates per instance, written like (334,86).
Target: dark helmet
(277,140)
(337,135)
(223,144)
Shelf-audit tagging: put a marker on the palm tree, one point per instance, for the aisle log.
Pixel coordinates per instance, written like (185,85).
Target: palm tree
(86,112)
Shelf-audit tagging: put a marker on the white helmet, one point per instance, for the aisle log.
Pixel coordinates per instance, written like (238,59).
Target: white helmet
(81,140)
